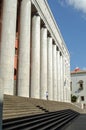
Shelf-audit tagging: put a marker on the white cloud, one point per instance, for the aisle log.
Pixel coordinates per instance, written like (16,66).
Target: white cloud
(77,4)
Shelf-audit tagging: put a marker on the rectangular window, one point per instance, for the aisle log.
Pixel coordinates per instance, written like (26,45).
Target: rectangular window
(82,98)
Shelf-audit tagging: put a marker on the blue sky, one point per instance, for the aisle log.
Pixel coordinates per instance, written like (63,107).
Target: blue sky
(70,16)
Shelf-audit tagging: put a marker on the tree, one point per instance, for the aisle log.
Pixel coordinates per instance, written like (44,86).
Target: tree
(73,98)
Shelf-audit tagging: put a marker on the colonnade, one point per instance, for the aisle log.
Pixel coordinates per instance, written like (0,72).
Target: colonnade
(41,64)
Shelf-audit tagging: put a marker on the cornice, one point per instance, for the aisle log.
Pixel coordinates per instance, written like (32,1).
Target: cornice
(78,72)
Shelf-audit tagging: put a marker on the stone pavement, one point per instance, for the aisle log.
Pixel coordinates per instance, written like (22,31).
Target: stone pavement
(78,124)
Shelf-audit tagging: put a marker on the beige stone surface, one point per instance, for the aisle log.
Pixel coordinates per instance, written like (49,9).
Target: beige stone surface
(43,63)
(54,73)
(58,76)
(8,45)
(7,51)
(35,57)
(24,49)
(50,70)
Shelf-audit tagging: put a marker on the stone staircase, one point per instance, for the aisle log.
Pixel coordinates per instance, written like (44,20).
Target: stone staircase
(35,114)
(15,106)
(54,105)
(47,121)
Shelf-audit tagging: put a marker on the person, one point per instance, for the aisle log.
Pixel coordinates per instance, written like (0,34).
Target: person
(47,95)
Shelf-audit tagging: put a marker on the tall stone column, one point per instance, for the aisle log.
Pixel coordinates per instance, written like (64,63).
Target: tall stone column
(7,50)
(64,82)
(43,63)
(61,88)
(24,49)
(58,75)
(50,70)
(66,79)
(69,90)
(54,74)
(8,45)
(35,57)
(63,77)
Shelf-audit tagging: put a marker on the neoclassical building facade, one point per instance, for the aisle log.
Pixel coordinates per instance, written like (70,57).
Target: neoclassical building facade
(34,58)
(78,85)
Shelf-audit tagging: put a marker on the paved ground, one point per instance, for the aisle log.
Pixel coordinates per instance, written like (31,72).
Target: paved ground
(78,124)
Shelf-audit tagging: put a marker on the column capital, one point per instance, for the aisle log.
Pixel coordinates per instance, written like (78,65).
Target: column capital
(43,24)
(35,14)
(54,42)
(60,54)
(57,48)
(24,0)
(49,35)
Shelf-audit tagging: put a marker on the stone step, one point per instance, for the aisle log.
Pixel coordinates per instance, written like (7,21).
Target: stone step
(39,121)
(15,104)
(14,115)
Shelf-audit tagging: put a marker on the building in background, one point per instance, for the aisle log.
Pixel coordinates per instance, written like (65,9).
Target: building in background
(78,85)
(33,55)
